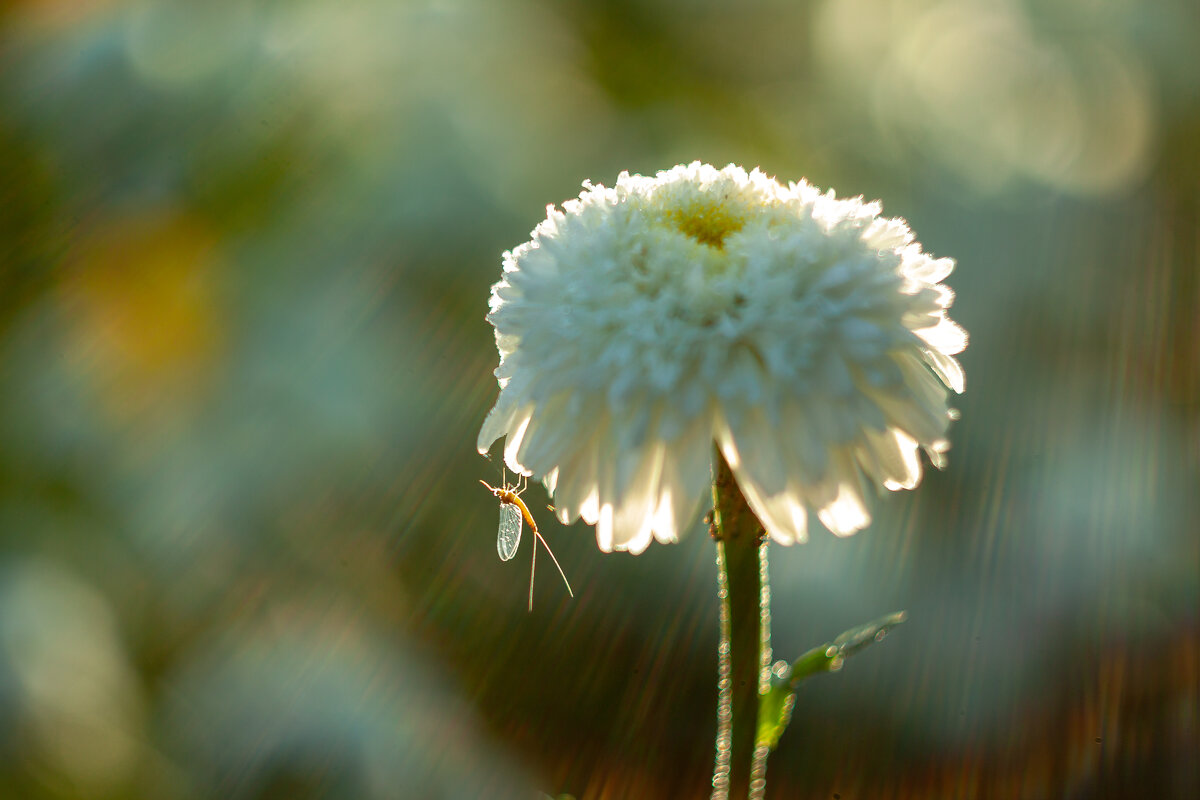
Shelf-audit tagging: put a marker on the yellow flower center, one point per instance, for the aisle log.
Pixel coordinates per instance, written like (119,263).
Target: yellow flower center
(705,219)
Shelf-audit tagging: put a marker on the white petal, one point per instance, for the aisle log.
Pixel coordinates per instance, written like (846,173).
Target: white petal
(920,408)
(804,445)
(548,437)
(846,514)
(634,515)
(906,414)
(781,514)
(590,509)
(928,270)
(947,368)
(604,528)
(927,389)
(497,423)
(787,518)
(686,479)
(512,444)
(893,458)
(663,524)
(887,234)
(946,336)
(631,534)
(757,452)
(575,491)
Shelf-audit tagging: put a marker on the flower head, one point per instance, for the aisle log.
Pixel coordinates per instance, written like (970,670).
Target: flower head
(805,334)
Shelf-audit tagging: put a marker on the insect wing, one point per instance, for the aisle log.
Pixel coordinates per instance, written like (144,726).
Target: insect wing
(509,534)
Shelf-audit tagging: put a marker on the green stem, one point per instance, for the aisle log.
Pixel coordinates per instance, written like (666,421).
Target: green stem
(745,649)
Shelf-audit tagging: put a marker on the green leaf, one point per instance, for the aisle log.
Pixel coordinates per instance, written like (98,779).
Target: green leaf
(856,639)
(775,705)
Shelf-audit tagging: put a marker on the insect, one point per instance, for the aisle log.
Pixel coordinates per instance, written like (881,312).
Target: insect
(508,536)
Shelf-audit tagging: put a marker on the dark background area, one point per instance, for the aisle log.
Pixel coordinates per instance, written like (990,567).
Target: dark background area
(245,252)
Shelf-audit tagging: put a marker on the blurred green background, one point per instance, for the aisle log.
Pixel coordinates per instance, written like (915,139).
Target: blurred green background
(245,252)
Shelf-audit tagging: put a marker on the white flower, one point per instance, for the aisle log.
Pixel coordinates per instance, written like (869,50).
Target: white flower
(806,335)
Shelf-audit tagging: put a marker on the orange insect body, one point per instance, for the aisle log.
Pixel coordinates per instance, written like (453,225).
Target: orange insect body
(512,498)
